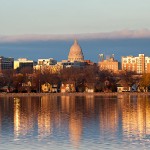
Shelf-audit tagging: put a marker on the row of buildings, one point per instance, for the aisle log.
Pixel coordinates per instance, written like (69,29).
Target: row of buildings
(139,64)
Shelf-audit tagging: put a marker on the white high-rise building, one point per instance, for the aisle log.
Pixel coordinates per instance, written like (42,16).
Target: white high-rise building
(139,64)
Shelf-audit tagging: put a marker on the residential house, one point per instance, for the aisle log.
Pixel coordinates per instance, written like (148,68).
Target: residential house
(90,87)
(67,87)
(123,86)
(47,87)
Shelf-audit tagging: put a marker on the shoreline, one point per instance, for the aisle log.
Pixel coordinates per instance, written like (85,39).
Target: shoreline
(71,94)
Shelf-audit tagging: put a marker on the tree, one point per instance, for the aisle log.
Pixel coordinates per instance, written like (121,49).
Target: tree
(145,81)
(8,77)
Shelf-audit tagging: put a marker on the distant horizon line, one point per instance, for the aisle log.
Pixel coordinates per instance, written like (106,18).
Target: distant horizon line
(121,34)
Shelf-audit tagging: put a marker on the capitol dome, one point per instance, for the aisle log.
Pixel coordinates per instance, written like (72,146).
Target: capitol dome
(75,53)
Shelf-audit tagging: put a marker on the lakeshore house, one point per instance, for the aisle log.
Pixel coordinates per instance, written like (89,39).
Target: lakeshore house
(90,87)
(123,86)
(67,87)
(49,88)
(7,89)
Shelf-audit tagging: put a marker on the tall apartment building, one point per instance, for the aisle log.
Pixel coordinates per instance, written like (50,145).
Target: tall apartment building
(108,64)
(6,63)
(139,64)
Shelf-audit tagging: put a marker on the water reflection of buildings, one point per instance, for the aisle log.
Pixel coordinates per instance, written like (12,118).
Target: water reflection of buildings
(23,119)
(17,126)
(128,115)
(90,103)
(65,104)
(44,118)
(75,127)
(71,106)
(108,116)
(124,116)
(135,117)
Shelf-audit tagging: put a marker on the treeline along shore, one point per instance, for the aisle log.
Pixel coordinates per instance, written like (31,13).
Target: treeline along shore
(85,80)
(74,94)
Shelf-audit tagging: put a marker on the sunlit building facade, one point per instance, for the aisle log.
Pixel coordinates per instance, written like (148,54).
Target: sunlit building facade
(139,64)
(108,64)
(50,68)
(46,62)
(49,64)
(23,63)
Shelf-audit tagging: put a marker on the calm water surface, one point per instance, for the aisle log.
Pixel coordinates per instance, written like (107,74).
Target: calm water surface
(75,123)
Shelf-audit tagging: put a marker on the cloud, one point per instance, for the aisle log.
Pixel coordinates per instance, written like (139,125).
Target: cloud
(122,34)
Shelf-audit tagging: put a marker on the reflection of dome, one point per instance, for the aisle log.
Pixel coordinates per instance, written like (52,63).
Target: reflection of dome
(75,53)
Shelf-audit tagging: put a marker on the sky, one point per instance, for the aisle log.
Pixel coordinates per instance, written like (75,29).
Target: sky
(19,17)
(46,28)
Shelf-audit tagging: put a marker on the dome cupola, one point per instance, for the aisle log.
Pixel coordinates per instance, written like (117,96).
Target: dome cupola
(75,53)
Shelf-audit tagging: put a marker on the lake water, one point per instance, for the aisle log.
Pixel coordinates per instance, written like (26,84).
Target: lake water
(75,122)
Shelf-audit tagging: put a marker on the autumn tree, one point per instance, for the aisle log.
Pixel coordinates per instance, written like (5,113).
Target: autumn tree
(145,81)
(8,77)
(18,79)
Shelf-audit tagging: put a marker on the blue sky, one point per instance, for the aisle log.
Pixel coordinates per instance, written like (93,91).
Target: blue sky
(72,16)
